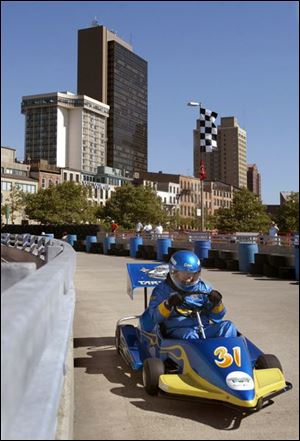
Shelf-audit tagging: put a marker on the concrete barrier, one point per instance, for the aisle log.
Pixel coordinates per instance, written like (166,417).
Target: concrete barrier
(13,272)
(36,331)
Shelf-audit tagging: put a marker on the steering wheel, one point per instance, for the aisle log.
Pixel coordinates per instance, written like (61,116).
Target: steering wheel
(188,310)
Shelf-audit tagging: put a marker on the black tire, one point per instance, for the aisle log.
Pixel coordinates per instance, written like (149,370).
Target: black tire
(152,369)
(267,361)
(117,339)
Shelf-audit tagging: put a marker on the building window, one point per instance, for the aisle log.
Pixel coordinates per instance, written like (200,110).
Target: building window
(43,183)
(6,186)
(71,176)
(65,176)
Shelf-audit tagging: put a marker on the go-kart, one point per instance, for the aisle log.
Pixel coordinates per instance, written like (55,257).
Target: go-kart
(231,371)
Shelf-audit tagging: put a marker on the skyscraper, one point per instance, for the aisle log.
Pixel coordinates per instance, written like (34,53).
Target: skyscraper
(65,129)
(228,162)
(232,153)
(109,71)
(254,180)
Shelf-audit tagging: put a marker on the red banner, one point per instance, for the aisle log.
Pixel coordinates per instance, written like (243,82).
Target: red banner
(202,171)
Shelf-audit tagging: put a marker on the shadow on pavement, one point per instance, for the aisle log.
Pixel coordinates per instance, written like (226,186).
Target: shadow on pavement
(102,358)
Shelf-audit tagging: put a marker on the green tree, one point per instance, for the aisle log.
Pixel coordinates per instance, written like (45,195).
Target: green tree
(288,214)
(245,214)
(64,203)
(128,204)
(14,204)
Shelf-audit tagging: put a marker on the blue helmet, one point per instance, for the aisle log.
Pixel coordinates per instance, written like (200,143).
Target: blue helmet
(184,270)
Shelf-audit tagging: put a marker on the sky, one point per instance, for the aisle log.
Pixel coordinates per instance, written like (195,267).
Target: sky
(236,58)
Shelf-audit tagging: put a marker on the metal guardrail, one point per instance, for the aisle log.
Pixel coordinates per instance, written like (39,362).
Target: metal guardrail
(190,236)
(36,328)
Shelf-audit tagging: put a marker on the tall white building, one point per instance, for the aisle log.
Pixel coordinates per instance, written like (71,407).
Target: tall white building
(65,129)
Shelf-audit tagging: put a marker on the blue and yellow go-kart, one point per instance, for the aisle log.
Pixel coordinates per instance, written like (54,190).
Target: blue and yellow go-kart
(231,371)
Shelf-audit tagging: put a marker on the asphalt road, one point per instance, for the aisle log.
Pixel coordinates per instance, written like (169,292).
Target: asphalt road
(110,402)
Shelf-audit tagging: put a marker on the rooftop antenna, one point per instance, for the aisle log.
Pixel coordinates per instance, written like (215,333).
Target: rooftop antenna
(95,22)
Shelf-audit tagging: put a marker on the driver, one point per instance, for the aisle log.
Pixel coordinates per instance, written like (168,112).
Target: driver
(182,288)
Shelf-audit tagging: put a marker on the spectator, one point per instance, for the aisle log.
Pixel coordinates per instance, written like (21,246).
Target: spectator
(113,226)
(158,229)
(138,228)
(273,232)
(261,238)
(148,230)
(64,236)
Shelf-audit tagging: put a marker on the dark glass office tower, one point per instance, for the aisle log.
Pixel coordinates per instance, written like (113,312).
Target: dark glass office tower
(109,71)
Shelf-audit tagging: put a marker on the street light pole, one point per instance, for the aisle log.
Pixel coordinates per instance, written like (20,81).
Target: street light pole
(196,104)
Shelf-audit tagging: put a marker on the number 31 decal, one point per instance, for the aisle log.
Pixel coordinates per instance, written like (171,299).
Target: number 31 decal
(225,359)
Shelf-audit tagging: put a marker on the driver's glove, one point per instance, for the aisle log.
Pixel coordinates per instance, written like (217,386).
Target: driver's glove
(174,300)
(215,298)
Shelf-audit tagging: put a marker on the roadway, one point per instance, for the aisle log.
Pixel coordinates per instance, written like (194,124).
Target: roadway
(110,402)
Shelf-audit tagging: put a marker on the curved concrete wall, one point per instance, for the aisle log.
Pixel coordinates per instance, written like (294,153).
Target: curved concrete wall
(36,335)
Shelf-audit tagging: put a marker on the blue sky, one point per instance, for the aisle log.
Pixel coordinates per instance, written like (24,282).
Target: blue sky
(237,58)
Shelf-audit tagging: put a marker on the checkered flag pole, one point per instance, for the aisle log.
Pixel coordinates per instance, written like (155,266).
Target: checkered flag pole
(208,130)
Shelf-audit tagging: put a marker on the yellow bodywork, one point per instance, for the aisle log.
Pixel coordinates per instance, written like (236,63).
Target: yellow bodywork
(266,381)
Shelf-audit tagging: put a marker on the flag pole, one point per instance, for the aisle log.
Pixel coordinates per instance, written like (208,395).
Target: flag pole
(202,205)
(202,186)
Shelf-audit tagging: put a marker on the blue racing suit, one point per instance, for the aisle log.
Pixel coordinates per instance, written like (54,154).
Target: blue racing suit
(178,326)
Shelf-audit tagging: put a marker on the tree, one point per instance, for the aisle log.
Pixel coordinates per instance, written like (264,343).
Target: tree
(13,204)
(64,203)
(128,204)
(246,214)
(288,214)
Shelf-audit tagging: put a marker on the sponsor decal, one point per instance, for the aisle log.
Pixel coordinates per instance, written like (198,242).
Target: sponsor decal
(159,272)
(239,380)
(148,282)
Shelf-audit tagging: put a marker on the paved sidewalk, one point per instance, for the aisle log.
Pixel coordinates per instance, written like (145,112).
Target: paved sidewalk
(110,402)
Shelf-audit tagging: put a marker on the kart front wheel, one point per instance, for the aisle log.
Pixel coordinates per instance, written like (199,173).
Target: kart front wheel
(152,369)
(267,361)
(117,339)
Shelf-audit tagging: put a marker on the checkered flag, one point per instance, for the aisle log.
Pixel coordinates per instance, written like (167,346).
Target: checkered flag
(208,130)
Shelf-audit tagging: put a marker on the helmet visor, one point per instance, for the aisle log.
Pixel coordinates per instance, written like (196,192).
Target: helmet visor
(186,277)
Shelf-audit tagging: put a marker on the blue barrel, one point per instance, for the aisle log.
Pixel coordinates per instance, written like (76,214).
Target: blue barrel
(88,241)
(201,248)
(247,250)
(134,245)
(71,238)
(107,243)
(297,261)
(162,247)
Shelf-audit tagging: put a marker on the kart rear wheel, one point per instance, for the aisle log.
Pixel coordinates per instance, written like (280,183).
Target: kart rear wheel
(267,361)
(152,369)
